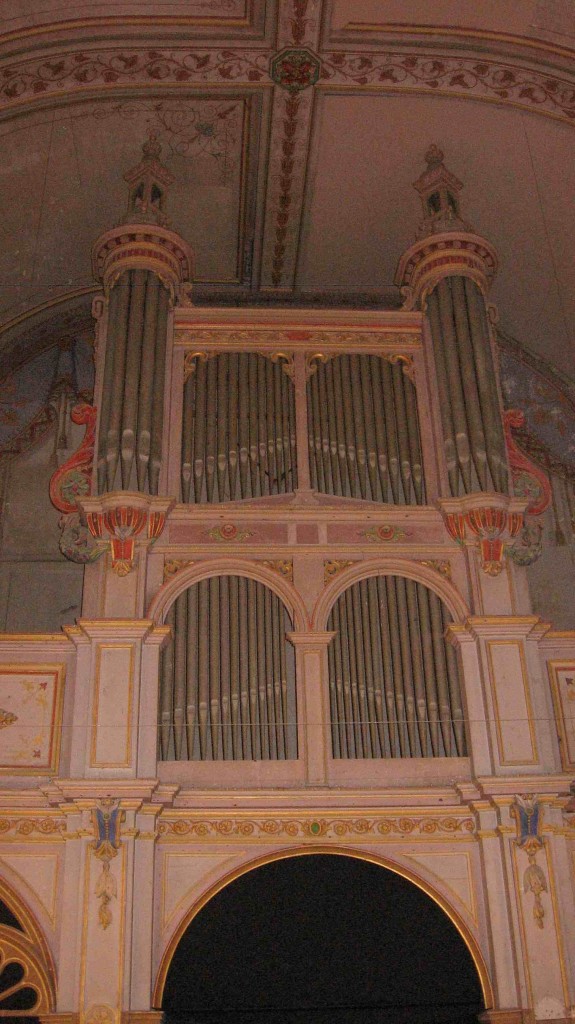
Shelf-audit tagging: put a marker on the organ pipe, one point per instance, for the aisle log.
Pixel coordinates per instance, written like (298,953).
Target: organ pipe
(363,431)
(238,429)
(472,428)
(393,681)
(227,677)
(132,406)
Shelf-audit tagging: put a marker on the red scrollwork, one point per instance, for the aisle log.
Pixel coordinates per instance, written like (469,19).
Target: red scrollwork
(72,480)
(530,481)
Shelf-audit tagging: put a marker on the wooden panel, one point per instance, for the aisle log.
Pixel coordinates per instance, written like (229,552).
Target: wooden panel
(562,678)
(111,745)
(512,706)
(30,718)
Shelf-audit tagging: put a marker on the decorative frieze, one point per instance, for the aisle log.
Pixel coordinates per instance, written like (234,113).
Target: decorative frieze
(320,827)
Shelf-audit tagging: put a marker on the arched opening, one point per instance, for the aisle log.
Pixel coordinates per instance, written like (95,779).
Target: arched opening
(26,989)
(227,687)
(393,679)
(331,938)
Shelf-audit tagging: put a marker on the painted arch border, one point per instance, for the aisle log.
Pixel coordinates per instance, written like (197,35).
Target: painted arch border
(389,566)
(31,942)
(248,568)
(406,871)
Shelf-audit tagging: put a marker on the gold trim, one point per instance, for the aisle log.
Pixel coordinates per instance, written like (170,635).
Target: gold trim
(553,669)
(402,871)
(128,720)
(493,685)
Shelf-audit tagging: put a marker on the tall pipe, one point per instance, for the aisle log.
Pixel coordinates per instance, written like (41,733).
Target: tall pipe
(132,383)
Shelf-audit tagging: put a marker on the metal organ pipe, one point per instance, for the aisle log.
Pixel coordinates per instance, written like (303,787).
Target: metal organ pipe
(238,428)
(471,418)
(363,431)
(393,681)
(227,677)
(132,406)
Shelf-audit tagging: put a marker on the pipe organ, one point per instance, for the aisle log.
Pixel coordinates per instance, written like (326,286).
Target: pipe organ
(302,628)
(227,687)
(393,681)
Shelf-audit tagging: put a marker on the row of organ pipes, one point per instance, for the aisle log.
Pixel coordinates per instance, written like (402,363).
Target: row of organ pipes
(132,404)
(239,434)
(228,688)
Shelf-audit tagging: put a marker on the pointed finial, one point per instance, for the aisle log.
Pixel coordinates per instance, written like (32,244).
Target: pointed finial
(151,148)
(148,182)
(433,157)
(439,190)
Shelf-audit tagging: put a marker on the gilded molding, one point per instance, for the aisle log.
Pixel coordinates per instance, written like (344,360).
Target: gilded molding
(383,827)
(173,565)
(333,566)
(323,342)
(438,565)
(283,567)
(25,826)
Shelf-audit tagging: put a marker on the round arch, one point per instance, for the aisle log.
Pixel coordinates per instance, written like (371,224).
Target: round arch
(29,948)
(389,567)
(186,577)
(406,872)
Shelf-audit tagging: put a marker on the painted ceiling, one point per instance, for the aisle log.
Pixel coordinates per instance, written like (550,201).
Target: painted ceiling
(293,171)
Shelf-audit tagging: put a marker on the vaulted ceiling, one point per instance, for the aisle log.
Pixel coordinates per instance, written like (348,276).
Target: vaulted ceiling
(293,169)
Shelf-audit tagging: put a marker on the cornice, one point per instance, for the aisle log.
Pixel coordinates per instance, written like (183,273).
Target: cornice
(483,41)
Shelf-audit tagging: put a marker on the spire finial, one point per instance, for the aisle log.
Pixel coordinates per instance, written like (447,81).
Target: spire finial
(148,183)
(439,190)
(433,157)
(152,148)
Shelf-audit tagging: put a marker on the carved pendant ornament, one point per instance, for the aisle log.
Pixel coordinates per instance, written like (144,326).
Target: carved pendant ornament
(118,519)
(527,815)
(106,818)
(493,525)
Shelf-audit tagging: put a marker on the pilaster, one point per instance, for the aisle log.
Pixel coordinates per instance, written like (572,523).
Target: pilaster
(515,707)
(115,717)
(313,703)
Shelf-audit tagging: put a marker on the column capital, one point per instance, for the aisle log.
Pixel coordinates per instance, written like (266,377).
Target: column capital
(143,247)
(311,640)
(448,254)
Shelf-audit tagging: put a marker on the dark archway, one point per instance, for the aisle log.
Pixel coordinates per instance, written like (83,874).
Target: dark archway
(324,939)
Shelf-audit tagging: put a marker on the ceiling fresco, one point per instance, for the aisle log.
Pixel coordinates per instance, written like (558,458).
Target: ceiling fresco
(294,131)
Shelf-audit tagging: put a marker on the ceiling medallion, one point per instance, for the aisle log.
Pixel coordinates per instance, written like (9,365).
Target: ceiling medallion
(295,69)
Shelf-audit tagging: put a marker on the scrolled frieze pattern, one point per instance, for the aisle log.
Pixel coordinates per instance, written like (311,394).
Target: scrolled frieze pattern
(445,826)
(489,79)
(32,826)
